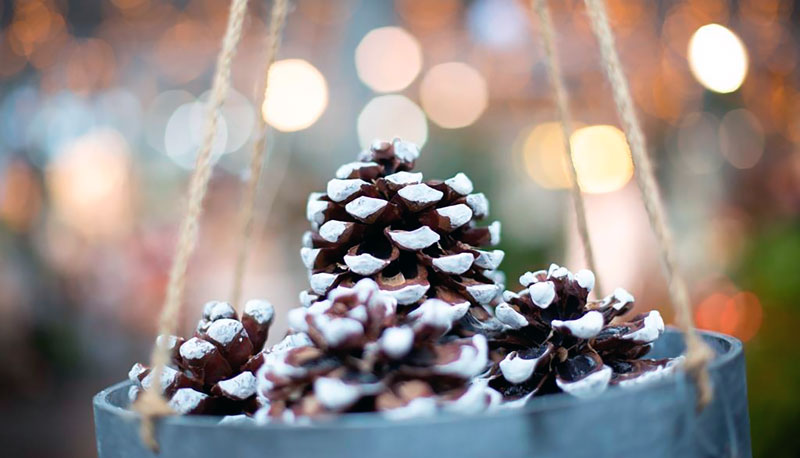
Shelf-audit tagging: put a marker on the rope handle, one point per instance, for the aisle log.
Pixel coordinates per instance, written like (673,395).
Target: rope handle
(151,403)
(698,353)
(562,102)
(246,215)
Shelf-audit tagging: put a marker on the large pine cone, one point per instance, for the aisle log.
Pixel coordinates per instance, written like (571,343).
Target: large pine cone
(554,339)
(416,239)
(353,353)
(213,372)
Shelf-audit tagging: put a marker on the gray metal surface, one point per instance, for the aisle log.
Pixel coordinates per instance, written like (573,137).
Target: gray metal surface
(656,420)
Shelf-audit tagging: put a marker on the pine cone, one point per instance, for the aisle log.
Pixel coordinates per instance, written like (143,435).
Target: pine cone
(212,373)
(416,240)
(554,339)
(352,352)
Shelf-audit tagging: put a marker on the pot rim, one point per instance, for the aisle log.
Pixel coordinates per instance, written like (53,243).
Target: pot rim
(546,403)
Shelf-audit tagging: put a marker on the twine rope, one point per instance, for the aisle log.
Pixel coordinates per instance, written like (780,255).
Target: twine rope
(246,215)
(698,353)
(151,403)
(562,102)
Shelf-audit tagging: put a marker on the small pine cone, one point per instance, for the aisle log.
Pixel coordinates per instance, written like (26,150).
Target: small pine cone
(416,239)
(213,372)
(353,352)
(553,339)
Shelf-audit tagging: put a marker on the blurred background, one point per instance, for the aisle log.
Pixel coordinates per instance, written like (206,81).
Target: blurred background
(100,119)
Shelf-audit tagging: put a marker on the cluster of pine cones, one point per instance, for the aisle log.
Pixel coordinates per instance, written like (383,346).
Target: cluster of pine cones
(406,315)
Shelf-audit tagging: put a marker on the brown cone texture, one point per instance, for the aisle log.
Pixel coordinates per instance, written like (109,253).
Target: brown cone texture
(555,339)
(352,352)
(213,372)
(417,239)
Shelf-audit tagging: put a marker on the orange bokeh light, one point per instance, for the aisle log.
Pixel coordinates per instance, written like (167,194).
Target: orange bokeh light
(739,314)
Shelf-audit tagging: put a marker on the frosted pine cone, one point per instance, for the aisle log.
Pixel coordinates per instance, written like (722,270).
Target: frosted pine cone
(416,239)
(353,353)
(213,372)
(554,339)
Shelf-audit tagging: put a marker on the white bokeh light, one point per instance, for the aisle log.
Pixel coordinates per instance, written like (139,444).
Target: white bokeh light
(717,58)
(390,116)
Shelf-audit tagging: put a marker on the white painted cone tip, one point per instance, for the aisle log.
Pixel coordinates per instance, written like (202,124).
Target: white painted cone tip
(397,342)
(333,230)
(589,386)
(483,294)
(479,204)
(490,259)
(517,370)
(365,264)
(585,327)
(542,293)
(344,171)
(307,239)
(585,279)
(651,331)
(404,178)
(454,264)
(529,278)
(409,294)
(309,256)
(239,387)
(315,210)
(322,281)
(458,215)
(260,310)
(460,183)
(510,317)
(334,394)
(363,207)
(415,240)
(494,233)
(339,190)
(405,150)
(420,194)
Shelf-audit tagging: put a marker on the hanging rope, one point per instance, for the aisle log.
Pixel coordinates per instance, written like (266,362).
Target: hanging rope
(698,354)
(277,22)
(562,101)
(151,403)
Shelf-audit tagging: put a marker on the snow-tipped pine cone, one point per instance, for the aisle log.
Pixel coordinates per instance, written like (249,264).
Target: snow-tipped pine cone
(213,372)
(416,239)
(554,339)
(353,353)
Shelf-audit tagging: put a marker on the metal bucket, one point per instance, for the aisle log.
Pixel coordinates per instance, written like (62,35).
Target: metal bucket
(656,420)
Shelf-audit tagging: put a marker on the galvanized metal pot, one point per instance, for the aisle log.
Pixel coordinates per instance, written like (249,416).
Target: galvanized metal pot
(656,420)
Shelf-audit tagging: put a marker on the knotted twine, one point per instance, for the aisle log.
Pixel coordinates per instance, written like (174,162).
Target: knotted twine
(277,22)
(151,404)
(698,353)
(562,102)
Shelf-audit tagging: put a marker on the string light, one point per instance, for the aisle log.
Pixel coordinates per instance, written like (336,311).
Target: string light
(296,97)
(388,59)
(454,95)
(389,116)
(717,58)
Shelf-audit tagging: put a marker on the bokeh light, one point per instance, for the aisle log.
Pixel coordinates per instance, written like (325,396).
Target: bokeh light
(697,143)
(297,95)
(20,195)
(717,58)
(542,149)
(185,131)
(90,184)
(741,138)
(739,314)
(389,116)
(388,59)
(602,157)
(453,95)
